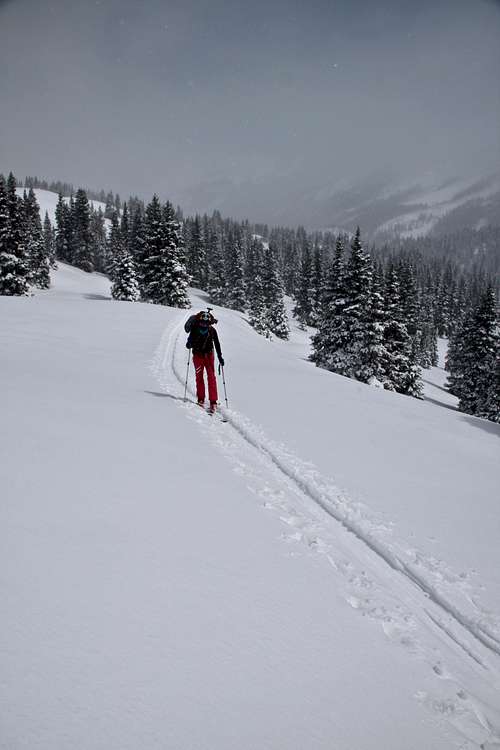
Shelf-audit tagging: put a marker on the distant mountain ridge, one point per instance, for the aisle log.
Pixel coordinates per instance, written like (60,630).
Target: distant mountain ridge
(381,205)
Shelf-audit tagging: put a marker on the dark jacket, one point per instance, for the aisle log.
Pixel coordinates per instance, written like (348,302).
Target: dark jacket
(202,339)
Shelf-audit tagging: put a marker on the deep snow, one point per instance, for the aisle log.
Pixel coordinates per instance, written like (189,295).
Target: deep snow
(171,581)
(47,202)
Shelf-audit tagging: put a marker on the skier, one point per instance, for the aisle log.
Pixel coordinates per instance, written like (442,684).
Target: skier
(201,340)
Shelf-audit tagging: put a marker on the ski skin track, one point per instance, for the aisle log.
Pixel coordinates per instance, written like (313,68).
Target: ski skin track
(319,491)
(320,496)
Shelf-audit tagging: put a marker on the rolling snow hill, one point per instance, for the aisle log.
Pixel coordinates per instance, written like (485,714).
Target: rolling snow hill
(321,571)
(47,200)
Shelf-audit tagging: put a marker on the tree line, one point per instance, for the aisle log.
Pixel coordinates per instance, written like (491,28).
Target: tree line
(26,247)
(377,314)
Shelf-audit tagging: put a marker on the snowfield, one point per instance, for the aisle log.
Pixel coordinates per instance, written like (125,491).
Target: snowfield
(320,572)
(47,201)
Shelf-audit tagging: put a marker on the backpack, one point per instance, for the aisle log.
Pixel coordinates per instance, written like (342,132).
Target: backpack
(192,326)
(203,343)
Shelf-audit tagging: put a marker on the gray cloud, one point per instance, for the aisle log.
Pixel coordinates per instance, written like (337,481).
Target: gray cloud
(263,100)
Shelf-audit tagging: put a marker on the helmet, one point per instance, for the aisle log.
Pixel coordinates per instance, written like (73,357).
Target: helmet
(205,317)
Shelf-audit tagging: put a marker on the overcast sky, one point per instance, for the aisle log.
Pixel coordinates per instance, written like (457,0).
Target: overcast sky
(180,95)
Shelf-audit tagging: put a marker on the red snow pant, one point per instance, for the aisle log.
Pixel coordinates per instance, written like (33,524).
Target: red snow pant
(201,362)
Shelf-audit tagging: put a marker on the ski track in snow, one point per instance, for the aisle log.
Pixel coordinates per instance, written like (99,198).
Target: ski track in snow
(421,604)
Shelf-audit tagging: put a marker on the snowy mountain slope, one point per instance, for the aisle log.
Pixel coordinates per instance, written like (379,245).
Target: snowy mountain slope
(457,204)
(172,581)
(47,200)
(383,204)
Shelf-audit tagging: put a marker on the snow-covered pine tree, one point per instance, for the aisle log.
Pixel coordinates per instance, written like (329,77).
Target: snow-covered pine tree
(330,336)
(288,253)
(490,407)
(163,276)
(349,338)
(276,317)
(109,207)
(124,285)
(196,254)
(217,288)
(304,297)
(13,268)
(69,230)
(82,245)
(176,274)
(235,282)
(453,363)
(473,366)
(114,246)
(373,354)
(98,240)
(151,268)
(61,245)
(137,238)
(37,258)
(409,296)
(427,332)
(356,313)
(402,373)
(255,287)
(316,282)
(125,227)
(49,241)
(16,219)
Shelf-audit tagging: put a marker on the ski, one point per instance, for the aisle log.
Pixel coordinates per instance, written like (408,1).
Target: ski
(215,413)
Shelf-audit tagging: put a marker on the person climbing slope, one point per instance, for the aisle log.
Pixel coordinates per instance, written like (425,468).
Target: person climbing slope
(201,340)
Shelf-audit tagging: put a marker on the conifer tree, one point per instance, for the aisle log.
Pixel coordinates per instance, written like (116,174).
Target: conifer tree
(235,282)
(125,227)
(98,241)
(69,230)
(115,246)
(373,354)
(255,288)
(196,254)
(427,333)
(153,251)
(329,336)
(290,254)
(276,317)
(49,241)
(124,285)
(164,278)
(109,207)
(137,239)
(61,245)
(473,356)
(13,268)
(358,279)
(490,406)
(16,219)
(402,373)
(37,258)
(82,245)
(177,276)
(217,288)
(316,283)
(304,307)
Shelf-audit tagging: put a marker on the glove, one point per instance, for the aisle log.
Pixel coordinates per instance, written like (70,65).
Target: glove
(221,362)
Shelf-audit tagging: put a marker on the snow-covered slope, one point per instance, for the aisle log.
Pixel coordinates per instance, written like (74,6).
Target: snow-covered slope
(47,200)
(384,204)
(386,207)
(458,203)
(169,580)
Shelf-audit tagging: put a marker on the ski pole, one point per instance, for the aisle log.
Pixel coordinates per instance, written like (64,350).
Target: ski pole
(224,382)
(187,374)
